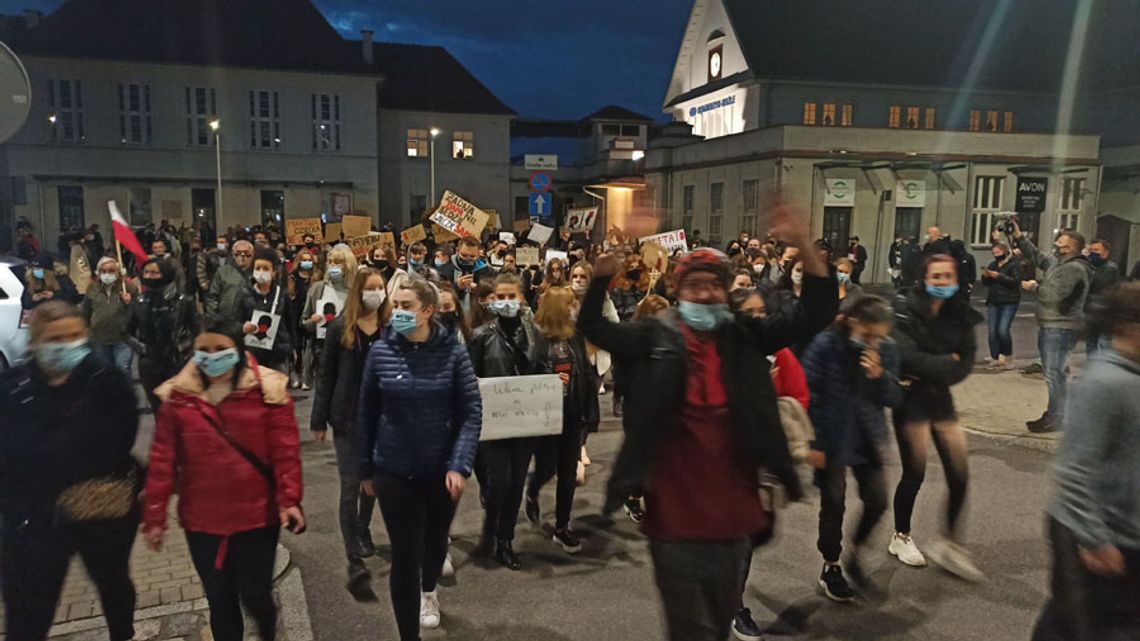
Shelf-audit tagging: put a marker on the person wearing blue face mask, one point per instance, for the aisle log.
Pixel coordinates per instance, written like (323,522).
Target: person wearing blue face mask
(339,273)
(934,332)
(417,429)
(43,284)
(701,419)
(466,269)
(304,273)
(69,423)
(849,292)
(509,345)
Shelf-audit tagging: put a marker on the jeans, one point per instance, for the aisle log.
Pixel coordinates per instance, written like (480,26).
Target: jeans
(117,354)
(1084,606)
(356,507)
(999,319)
(950,441)
(700,585)
(245,578)
(506,462)
(832,484)
(1055,346)
(558,454)
(34,557)
(417,513)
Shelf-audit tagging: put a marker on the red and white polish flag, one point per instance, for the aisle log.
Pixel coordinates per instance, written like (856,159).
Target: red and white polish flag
(124,235)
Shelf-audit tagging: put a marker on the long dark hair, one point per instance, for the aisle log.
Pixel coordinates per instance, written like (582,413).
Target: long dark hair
(232,330)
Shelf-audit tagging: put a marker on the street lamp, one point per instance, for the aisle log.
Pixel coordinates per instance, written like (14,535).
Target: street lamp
(216,127)
(434,133)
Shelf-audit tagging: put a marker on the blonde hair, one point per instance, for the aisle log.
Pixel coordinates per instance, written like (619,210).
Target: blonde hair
(651,305)
(350,264)
(554,316)
(354,304)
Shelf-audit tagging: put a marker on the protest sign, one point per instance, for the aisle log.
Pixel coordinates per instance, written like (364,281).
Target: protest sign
(521,226)
(507,237)
(296,230)
(551,254)
(356,226)
(671,240)
(362,245)
(540,233)
(441,235)
(333,233)
(580,220)
(527,256)
(654,256)
(387,239)
(492,219)
(459,216)
(517,406)
(413,234)
(329,307)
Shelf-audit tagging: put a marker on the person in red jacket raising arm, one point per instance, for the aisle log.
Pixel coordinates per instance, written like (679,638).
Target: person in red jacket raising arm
(226,435)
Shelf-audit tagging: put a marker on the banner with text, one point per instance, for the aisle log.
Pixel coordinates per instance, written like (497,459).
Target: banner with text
(459,216)
(671,240)
(518,406)
(296,230)
(413,234)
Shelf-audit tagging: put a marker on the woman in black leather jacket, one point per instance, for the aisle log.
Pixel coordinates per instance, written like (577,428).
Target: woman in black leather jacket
(510,345)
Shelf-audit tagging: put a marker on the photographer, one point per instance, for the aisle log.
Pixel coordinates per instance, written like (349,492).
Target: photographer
(466,269)
(1061,297)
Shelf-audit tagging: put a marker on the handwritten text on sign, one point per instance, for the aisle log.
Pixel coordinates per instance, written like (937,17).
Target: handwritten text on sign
(459,216)
(519,406)
(671,240)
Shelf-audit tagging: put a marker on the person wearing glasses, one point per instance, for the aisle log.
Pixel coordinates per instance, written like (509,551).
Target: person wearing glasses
(231,282)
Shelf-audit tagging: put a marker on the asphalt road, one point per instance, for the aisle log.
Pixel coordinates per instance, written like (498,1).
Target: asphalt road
(607,593)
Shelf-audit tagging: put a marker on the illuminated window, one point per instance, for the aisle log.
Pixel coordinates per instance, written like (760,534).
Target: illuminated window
(829,114)
(912,117)
(418,143)
(809,113)
(930,114)
(975,120)
(895,117)
(991,121)
(848,115)
(463,145)
(1008,125)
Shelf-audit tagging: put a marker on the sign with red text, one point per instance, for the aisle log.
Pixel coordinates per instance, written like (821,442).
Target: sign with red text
(459,217)
(671,240)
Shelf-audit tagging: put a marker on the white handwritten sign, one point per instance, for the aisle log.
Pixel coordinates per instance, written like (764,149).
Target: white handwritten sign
(521,406)
(459,216)
(671,240)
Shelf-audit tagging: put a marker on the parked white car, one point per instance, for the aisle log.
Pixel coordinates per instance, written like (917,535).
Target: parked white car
(13,337)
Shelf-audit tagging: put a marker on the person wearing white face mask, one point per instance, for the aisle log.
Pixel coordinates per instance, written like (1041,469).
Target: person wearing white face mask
(349,339)
(264,299)
(340,267)
(510,345)
(849,292)
(107,311)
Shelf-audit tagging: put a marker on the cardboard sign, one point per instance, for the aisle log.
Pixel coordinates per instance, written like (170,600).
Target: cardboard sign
(508,237)
(387,239)
(654,256)
(518,406)
(527,256)
(413,234)
(356,226)
(330,304)
(441,235)
(551,254)
(492,219)
(521,226)
(296,230)
(671,240)
(333,232)
(459,216)
(540,233)
(363,245)
(580,220)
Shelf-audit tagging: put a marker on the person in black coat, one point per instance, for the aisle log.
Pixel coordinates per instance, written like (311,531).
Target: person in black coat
(264,298)
(164,322)
(43,284)
(967,268)
(1003,278)
(69,424)
(934,330)
(465,270)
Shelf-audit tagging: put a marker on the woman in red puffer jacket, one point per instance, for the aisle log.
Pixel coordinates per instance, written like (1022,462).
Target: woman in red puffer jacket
(227,438)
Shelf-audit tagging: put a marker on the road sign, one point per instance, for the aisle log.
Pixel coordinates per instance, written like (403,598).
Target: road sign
(540,181)
(541,162)
(540,204)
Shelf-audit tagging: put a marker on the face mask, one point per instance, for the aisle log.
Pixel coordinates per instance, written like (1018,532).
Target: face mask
(416,264)
(263,277)
(464,263)
(1096,259)
(505,308)
(372,299)
(336,274)
(449,319)
(218,363)
(759,269)
(703,318)
(1057,252)
(843,277)
(403,321)
(440,262)
(579,286)
(753,252)
(858,343)
(221,247)
(38,273)
(798,278)
(943,292)
(154,283)
(306,265)
(61,358)
(108,279)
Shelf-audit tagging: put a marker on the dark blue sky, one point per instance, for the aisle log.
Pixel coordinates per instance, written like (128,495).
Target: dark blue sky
(554,59)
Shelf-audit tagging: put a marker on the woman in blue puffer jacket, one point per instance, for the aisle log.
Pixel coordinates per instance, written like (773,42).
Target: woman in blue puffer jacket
(419,419)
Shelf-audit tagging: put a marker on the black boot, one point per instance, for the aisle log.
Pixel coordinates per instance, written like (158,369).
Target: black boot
(360,584)
(364,541)
(505,555)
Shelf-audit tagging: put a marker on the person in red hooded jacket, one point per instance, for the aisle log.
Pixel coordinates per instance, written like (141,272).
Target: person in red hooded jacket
(227,437)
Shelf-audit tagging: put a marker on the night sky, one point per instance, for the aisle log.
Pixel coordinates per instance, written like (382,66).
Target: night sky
(555,59)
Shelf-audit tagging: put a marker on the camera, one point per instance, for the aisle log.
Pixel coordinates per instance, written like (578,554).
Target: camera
(1007,223)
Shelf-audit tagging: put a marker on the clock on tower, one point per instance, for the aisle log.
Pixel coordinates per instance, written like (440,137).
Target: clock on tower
(715,62)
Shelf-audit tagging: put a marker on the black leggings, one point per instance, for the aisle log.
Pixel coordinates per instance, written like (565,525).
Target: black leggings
(832,484)
(417,513)
(558,454)
(950,442)
(245,578)
(506,462)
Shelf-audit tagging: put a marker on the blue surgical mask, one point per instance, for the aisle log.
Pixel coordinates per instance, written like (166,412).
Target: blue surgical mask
(843,277)
(440,262)
(108,279)
(505,308)
(306,264)
(336,274)
(1096,259)
(61,358)
(703,318)
(944,292)
(403,321)
(218,363)
(38,273)
(416,264)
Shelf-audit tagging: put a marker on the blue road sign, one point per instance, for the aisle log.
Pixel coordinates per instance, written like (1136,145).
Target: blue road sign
(540,204)
(540,181)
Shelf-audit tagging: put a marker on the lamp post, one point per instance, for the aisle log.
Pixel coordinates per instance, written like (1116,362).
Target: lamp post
(216,127)
(434,133)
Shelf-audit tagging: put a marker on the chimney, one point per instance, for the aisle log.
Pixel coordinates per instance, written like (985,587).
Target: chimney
(366,45)
(32,18)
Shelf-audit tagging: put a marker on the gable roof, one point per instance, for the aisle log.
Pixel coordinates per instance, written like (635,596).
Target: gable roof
(614,112)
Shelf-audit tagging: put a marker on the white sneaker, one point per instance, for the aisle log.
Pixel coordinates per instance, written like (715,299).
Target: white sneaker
(585,458)
(904,548)
(956,560)
(429,610)
(448,567)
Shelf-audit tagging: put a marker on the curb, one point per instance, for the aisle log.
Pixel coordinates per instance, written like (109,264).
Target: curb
(1027,441)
